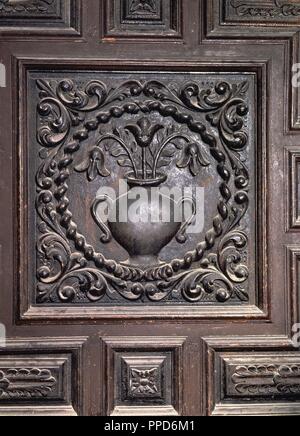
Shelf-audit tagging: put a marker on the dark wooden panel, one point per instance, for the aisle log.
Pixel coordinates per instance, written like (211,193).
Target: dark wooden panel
(231,20)
(41,377)
(256,376)
(266,12)
(256,380)
(159,375)
(293,285)
(292,161)
(226,233)
(33,378)
(41,17)
(142,19)
(144,375)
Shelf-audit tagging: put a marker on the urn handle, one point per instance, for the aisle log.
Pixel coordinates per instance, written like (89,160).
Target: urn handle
(107,236)
(181,235)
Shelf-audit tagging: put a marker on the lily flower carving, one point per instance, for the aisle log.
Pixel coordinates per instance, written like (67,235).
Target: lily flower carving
(144,131)
(94,165)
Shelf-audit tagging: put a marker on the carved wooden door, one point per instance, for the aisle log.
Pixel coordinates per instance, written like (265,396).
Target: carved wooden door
(131,318)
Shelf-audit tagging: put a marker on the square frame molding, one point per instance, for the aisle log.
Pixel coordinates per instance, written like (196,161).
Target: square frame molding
(160,395)
(28,312)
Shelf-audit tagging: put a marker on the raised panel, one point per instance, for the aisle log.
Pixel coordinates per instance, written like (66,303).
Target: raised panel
(77,260)
(34,378)
(292,283)
(144,376)
(254,377)
(256,380)
(232,20)
(38,378)
(251,18)
(41,17)
(142,19)
(292,165)
(267,12)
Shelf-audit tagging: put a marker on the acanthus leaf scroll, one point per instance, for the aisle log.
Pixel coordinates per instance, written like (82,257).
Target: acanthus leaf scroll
(216,270)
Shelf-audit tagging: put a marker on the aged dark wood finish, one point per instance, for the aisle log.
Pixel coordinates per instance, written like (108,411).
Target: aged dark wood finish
(164,93)
(42,377)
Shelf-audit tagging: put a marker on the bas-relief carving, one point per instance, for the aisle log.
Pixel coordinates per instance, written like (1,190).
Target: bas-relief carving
(26,383)
(207,128)
(255,380)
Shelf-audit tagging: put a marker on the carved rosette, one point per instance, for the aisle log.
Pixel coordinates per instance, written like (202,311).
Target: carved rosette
(69,269)
(144,382)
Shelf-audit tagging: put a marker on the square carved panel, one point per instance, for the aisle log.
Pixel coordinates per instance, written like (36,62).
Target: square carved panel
(92,131)
(144,375)
(143,18)
(42,17)
(258,376)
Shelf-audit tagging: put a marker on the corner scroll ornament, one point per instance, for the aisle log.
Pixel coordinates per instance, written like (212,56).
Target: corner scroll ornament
(216,270)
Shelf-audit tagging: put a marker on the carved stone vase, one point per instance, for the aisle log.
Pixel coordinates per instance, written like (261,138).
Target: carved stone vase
(143,220)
